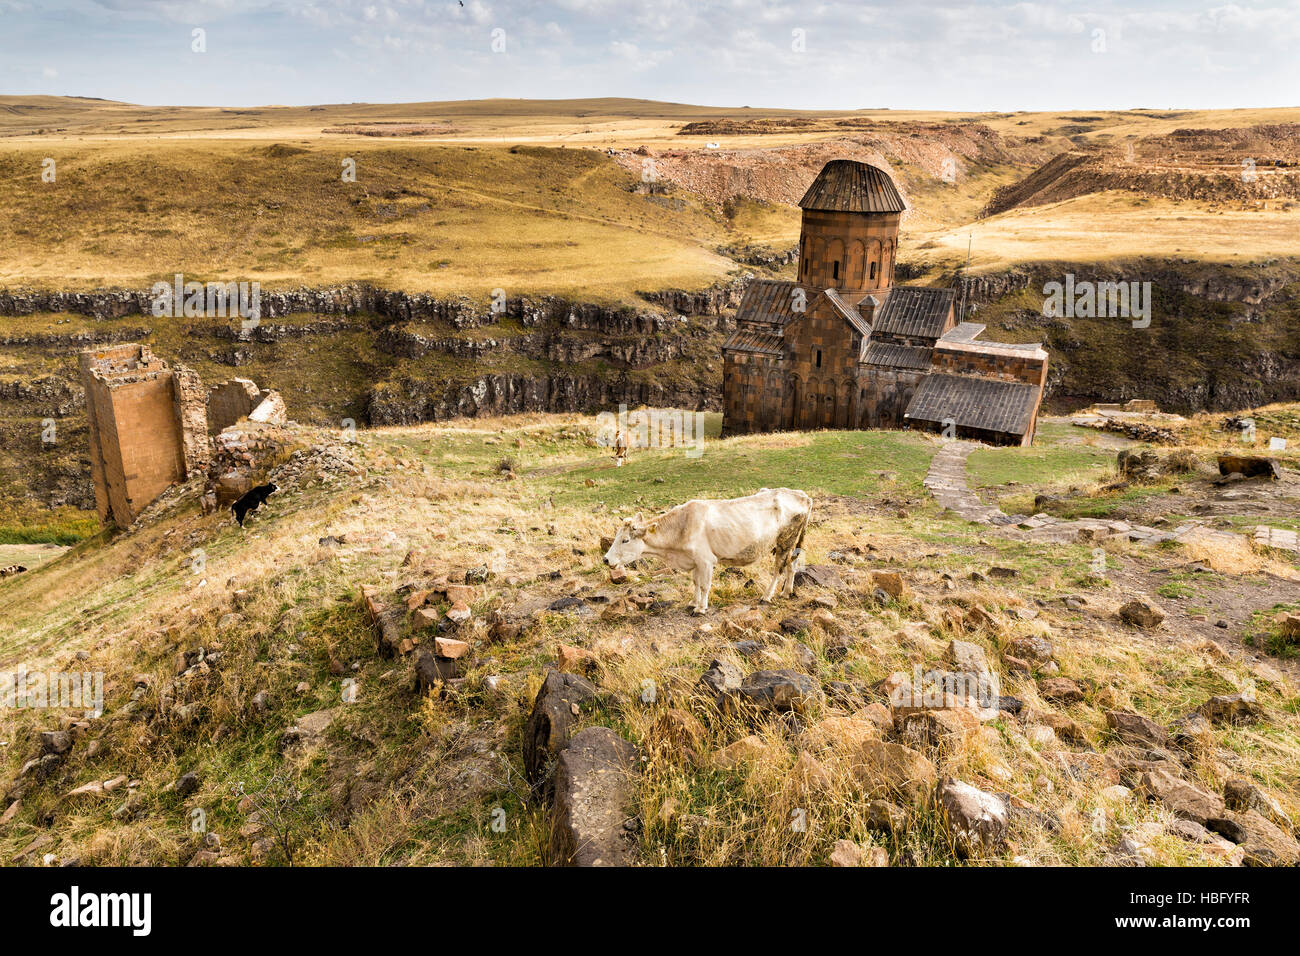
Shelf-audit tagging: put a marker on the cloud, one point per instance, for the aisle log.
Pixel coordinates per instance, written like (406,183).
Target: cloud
(968,55)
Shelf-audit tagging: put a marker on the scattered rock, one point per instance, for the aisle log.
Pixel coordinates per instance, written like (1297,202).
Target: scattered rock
(1136,729)
(595,790)
(1242,796)
(187,784)
(1183,799)
(1063,690)
(1231,709)
(819,575)
(890,769)
(722,679)
(976,821)
(1140,613)
(891,582)
(546,732)
(1035,650)
(964,656)
(848,853)
(307,731)
(778,690)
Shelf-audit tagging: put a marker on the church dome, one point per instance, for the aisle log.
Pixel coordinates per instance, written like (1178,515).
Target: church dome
(845,185)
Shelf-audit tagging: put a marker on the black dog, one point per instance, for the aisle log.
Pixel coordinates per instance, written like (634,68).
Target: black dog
(251,502)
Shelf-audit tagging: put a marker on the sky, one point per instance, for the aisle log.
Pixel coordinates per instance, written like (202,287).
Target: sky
(978,56)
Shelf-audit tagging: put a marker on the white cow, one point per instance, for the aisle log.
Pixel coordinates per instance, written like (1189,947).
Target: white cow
(699,534)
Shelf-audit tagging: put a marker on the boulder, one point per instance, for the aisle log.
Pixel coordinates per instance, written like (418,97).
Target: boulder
(307,731)
(885,817)
(722,679)
(778,691)
(1035,650)
(449,648)
(56,741)
(546,732)
(1250,466)
(893,770)
(943,731)
(819,575)
(571,659)
(891,582)
(848,853)
(1242,795)
(1231,709)
(965,656)
(1136,728)
(836,732)
(1140,613)
(595,791)
(1063,690)
(1265,843)
(1183,799)
(976,821)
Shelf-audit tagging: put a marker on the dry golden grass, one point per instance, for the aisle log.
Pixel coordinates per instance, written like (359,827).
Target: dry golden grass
(1111,226)
(402,779)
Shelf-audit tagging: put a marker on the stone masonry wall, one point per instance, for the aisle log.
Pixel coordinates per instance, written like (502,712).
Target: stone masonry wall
(139,444)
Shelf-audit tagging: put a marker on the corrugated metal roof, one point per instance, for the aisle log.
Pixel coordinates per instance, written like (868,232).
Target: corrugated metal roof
(849,312)
(911,357)
(983,403)
(845,185)
(749,339)
(772,301)
(917,311)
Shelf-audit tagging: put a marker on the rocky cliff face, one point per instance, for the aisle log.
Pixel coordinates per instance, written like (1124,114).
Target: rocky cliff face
(1220,338)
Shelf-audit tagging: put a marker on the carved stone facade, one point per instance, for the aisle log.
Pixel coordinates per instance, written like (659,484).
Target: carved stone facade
(843,347)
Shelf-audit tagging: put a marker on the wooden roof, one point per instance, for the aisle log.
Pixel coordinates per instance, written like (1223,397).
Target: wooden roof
(982,403)
(917,311)
(844,185)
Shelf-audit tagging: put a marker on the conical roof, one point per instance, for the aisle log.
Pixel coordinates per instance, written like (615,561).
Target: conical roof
(845,185)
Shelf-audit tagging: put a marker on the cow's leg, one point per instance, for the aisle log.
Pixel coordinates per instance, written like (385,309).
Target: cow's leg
(776,580)
(703,575)
(790,561)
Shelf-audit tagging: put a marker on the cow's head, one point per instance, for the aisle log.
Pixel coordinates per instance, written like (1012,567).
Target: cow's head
(629,543)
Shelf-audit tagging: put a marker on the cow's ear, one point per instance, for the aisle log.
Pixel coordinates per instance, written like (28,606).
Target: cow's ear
(652,528)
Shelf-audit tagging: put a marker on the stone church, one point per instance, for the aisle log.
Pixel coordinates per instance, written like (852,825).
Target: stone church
(843,347)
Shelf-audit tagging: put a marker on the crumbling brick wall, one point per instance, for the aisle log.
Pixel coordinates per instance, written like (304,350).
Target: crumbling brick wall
(240,398)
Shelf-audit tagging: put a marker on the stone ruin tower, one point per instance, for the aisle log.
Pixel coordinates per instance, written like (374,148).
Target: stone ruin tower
(152,426)
(148,427)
